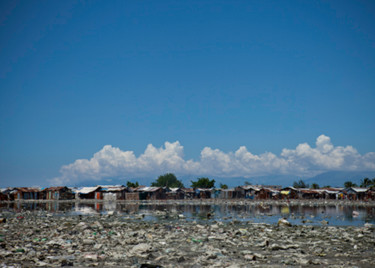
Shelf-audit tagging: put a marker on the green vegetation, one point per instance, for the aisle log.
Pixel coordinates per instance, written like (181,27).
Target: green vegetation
(366,182)
(203,183)
(300,184)
(223,186)
(348,184)
(169,180)
(315,186)
(132,184)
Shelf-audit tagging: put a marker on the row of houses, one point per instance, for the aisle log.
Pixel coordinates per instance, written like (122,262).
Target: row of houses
(120,192)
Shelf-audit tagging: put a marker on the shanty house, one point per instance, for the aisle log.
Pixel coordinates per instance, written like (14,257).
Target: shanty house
(58,193)
(89,193)
(228,193)
(175,193)
(188,193)
(133,193)
(3,195)
(331,193)
(203,193)
(247,191)
(309,193)
(26,193)
(355,193)
(289,192)
(113,192)
(152,193)
(268,193)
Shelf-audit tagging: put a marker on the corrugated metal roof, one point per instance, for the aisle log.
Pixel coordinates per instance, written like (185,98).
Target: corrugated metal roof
(112,188)
(28,189)
(58,188)
(359,190)
(331,192)
(250,187)
(174,190)
(149,189)
(87,190)
(309,191)
(188,190)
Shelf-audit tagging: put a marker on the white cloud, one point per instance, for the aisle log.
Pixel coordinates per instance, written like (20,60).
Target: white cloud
(304,160)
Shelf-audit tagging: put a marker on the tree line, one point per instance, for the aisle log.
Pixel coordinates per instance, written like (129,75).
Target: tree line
(170,180)
(365,183)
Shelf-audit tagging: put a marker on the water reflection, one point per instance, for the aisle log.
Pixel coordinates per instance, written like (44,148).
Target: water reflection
(270,213)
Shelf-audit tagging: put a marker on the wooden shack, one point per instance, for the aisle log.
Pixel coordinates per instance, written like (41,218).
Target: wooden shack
(26,193)
(58,193)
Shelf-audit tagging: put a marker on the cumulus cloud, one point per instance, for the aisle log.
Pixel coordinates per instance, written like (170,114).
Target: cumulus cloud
(304,160)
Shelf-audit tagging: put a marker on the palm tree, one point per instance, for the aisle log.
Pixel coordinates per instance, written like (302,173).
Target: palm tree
(300,184)
(315,186)
(366,182)
(348,184)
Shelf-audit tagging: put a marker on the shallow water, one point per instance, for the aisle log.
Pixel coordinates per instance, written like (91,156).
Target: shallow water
(336,215)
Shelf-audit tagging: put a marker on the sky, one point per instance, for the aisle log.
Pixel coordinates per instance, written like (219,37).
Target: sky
(135,89)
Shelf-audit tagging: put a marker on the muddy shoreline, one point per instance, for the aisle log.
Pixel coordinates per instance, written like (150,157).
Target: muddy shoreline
(37,238)
(302,202)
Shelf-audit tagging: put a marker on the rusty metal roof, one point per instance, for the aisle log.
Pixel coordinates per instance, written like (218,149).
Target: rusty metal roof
(28,189)
(57,188)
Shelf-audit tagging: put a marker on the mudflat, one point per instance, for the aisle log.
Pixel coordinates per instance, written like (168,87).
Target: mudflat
(40,238)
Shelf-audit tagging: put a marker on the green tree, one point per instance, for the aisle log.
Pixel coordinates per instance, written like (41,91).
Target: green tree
(168,179)
(300,184)
(247,183)
(327,186)
(223,186)
(315,186)
(366,182)
(348,184)
(203,183)
(132,184)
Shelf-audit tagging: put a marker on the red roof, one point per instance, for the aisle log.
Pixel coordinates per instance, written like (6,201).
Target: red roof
(28,189)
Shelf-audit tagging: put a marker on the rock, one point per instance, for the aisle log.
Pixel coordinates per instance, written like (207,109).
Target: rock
(250,257)
(88,242)
(91,256)
(141,248)
(283,222)
(369,226)
(277,247)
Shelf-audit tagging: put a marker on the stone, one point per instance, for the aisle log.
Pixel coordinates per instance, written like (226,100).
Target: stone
(283,222)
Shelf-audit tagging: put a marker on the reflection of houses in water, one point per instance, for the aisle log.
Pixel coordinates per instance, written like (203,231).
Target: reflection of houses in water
(128,208)
(110,206)
(88,209)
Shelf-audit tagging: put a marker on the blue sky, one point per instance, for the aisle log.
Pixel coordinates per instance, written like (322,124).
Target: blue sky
(76,77)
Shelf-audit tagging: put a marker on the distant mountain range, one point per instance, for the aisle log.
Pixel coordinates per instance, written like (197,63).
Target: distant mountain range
(338,178)
(333,178)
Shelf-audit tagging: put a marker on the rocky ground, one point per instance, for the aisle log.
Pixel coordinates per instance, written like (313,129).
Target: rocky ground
(30,239)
